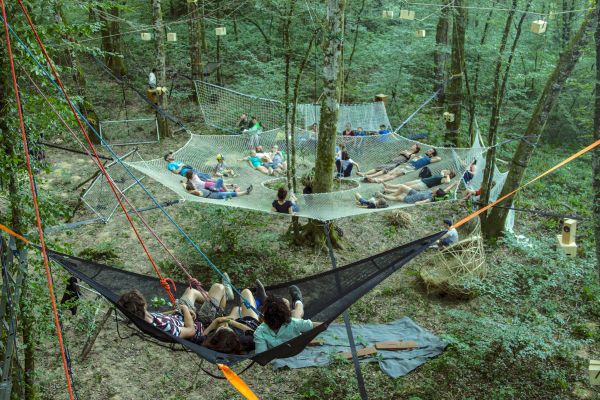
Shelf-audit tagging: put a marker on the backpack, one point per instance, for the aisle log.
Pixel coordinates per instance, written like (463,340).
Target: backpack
(425,172)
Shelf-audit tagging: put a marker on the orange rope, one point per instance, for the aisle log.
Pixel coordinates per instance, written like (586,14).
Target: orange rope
(237,382)
(35,205)
(540,176)
(14,234)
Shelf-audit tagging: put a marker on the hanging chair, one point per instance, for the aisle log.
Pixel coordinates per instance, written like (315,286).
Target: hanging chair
(326,295)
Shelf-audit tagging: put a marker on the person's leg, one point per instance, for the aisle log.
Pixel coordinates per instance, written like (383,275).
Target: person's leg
(264,170)
(369,172)
(348,171)
(338,167)
(394,197)
(392,186)
(224,195)
(298,310)
(246,311)
(402,189)
(219,185)
(218,299)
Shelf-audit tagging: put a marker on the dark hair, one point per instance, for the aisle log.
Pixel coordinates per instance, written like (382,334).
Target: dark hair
(448,221)
(276,312)
(452,174)
(440,193)
(253,117)
(282,193)
(345,155)
(167,155)
(189,174)
(417,149)
(223,341)
(133,302)
(189,186)
(154,70)
(382,126)
(433,152)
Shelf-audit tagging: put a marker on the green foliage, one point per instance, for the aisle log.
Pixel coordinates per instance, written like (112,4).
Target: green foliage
(102,253)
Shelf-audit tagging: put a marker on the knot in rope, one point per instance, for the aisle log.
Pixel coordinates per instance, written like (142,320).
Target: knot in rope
(166,284)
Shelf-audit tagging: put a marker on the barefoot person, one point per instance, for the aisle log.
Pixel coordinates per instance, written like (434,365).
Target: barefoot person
(415,163)
(411,196)
(404,157)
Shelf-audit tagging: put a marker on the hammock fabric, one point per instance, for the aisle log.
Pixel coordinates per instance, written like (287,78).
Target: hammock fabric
(326,295)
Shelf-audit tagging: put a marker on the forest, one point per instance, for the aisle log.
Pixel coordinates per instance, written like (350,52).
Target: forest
(416,185)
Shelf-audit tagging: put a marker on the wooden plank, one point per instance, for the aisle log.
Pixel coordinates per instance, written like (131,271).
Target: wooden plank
(367,351)
(317,342)
(396,345)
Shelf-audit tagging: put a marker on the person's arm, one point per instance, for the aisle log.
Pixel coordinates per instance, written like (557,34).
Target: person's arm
(290,211)
(215,323)
(435,159)
(451,186)
(189,329)
(240,326)
(356,165)
(260,344)
(423,201)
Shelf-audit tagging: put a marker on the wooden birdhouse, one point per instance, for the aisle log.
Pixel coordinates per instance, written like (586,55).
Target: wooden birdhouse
(171,37)
(381,97)
(192,1)
(220,31)
(594,371)
(146,36)
(566,240)
(539,26)
(407,14)
(387,14)
(420,33)
(448,116)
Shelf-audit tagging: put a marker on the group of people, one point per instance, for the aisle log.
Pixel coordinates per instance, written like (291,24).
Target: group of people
(199,317)
(251,127)
(269,163)
(348,131)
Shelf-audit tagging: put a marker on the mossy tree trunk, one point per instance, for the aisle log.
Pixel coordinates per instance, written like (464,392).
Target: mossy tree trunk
(325,160)
(454,98)
(596,153)
(554,85)
(160,65)
(195,43)
(440,55)
(111,40)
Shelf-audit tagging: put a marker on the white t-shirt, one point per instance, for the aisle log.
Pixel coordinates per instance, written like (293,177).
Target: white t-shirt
(197,183)
(152,80)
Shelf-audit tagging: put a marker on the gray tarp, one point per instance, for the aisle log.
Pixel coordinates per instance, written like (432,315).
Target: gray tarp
(393,363)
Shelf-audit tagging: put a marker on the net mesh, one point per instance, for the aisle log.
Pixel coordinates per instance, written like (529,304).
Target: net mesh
(368,116)
(99,197)
(368,151)
(130,132)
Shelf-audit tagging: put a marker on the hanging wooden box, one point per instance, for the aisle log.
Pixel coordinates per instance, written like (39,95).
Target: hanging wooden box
(192,1)
(387,14)
(448,116)
(220,31)
(146,36)
(594,371)
(381,97)
(420,33)
(539,26)
(171,37)
(407,14)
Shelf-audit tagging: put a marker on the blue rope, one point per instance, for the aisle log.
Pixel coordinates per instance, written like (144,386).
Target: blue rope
(407,120)
(118,160)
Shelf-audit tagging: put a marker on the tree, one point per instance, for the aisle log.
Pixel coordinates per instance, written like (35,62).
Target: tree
(160,63)
(596,153)
(111,39)
(554,85)
(195,39)
(457,67)
(440,53)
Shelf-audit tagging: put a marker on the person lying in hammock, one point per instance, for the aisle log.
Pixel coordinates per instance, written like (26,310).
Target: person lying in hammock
(256,163)
(213,190)
(404,157)
(280,321)
(274,160)
(445,176)
(415,163)
(234,334)
(186,322)
(180,168)
(221,170)
(411,196)
(371,203)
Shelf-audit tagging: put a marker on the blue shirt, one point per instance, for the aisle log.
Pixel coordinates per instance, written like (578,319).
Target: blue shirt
(421,162)
(384,132)
(175,165)
(265,338)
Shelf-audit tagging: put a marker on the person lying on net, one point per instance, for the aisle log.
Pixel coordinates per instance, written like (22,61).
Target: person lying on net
(187,322)
(234,334)
(282,205)
(404,157)
(180,168)
(221,170)
(197,187)
(256,163)
(445,176)
(280,321)
(274,160)
(371,203)
(415,163)
(411,196)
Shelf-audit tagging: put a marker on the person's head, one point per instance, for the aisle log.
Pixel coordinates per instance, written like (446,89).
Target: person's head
(415,148)
(154,70)
(439,193)
(244,116)
(447,222)
(342,146)
(133,302)
(451,174)
(169,157)
(276,312)
(189,174)
(345,155)
(224,340)
(381,203)
(253,119)
(282,193)
(274,148)
(253,153)
(359,129)
(382,126)
(474,162)
(259,149)
(431,153)
(220,158)
(348,126)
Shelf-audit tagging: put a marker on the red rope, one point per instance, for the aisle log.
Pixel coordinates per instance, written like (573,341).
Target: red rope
(113,187)
(36,207)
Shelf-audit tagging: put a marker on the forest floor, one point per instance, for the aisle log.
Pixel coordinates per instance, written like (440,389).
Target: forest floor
(529,333)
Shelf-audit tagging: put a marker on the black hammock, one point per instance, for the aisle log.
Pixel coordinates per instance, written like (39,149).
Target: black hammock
(326,295)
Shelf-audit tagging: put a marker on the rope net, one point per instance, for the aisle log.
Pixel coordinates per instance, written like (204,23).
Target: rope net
(369,152)
(130,132)
(368,116)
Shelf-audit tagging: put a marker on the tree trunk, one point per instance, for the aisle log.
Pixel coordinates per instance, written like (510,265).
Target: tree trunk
(596,153)
(497,99)
(354,40)
(160,65)
(111,41)
(440,53)
(554,85)
(324,162)
(457,68)
(287,21)
(195,44)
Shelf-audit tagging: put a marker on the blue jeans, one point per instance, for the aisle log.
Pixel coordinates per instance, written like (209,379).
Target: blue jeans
(221,195)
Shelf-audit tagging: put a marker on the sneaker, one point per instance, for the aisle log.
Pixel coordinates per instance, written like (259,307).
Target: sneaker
(228,288)
(261,294)
(296,294)
(249,190)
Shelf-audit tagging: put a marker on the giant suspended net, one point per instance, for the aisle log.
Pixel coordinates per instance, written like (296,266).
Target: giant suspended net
(368,116)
